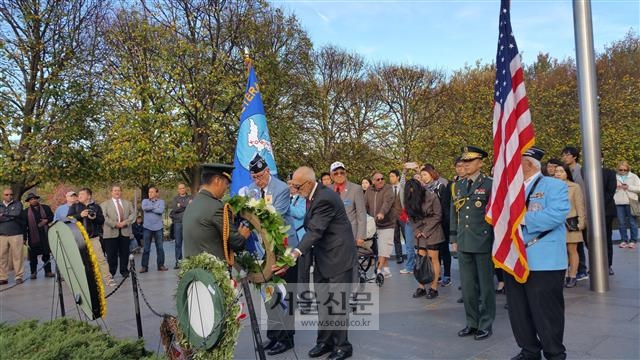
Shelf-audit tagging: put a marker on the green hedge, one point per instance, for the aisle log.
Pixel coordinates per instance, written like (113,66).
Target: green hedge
(65,338)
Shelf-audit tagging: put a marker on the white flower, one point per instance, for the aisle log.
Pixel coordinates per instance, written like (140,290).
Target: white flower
(271,209)
(252,203)
(288,251)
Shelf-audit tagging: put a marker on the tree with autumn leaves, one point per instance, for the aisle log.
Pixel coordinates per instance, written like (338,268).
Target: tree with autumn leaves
(143,93)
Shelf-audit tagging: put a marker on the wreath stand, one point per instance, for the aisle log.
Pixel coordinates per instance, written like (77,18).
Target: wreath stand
(254,277)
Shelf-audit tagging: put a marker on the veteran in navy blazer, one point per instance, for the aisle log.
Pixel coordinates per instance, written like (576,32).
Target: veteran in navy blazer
(536,307)
(328,230)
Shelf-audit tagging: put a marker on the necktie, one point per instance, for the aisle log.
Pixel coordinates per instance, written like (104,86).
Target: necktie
(395,190)
(262,193)
(120,211)
(308,204)
(469,184)
(337,189)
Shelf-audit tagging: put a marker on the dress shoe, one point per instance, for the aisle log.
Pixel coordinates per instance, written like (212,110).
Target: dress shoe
(267,345)
(33,276)
(49,274)
(467,331)
(163,268)
(143,270)
(482,334)
(279,348)
(522,356)
(4,282)
(319,350)
(400,260)
(339,355)
(176,267)
(460,301)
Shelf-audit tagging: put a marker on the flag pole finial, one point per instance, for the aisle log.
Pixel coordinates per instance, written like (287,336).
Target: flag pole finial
(247,58)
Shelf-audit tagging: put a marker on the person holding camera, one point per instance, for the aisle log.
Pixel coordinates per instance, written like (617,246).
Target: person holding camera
(90,215)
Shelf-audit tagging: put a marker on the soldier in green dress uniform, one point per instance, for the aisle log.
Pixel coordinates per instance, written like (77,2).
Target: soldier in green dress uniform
(202,219)
(472,238)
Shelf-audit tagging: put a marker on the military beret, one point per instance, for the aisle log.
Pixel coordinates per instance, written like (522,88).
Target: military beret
(471,153)
(257,164)
(535,153)
(217,169)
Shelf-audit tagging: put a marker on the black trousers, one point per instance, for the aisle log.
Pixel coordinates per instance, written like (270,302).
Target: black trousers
(444,256)
(582,260)
(397,243)
(608,223)
(117,248)
(281,322)
(36,250)
(329,290)
(536,313)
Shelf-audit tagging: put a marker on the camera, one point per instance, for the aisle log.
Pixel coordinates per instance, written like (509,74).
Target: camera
(91,211)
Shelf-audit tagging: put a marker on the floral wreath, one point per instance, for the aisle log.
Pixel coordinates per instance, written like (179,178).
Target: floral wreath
(97,277)
(265,220)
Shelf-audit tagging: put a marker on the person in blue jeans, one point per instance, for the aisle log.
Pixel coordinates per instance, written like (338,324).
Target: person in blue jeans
(153,208)
(627,190)
(178,205)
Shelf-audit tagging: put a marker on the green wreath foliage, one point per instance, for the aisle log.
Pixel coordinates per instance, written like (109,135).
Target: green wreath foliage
(66,338)
(274,226)
(225,347)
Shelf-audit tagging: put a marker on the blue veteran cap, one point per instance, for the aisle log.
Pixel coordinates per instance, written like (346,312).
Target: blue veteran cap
(535,153)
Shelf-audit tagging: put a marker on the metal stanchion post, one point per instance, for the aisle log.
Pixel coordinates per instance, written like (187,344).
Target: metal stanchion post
(136,301)
(59,280)
(252,315)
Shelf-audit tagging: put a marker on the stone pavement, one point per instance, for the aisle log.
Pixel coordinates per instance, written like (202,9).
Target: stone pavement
(598,326)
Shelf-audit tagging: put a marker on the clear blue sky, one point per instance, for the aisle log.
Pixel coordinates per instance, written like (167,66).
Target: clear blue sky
(445,35)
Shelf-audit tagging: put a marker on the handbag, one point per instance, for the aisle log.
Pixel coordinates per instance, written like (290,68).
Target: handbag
(635,207)
(572,223)
(423,270)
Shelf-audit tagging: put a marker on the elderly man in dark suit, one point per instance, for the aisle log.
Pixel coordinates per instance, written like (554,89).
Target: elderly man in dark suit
(328,230)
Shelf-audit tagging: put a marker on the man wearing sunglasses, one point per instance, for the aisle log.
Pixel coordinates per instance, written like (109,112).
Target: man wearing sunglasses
(11,237)
(379,200)
(328,230)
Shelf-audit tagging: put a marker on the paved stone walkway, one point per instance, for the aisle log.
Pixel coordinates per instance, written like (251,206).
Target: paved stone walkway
(598,326)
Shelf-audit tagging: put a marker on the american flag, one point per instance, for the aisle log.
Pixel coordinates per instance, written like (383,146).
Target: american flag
(512,135)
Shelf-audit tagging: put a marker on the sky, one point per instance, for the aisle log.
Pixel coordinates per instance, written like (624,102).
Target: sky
(447,35)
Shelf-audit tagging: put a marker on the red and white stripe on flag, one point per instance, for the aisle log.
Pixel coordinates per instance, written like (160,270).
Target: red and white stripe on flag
(513,134)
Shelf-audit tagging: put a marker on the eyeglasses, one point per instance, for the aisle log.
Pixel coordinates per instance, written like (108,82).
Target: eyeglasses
(259,175)
(378,179)
(623,170)
(339,172)
(298,186)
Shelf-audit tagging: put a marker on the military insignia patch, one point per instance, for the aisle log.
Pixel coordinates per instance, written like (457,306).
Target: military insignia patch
(535,206)
(478,203)
(538,195)
(480,191)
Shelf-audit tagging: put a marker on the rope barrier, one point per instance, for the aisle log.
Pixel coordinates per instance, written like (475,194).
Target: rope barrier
(144,298)
(117,287)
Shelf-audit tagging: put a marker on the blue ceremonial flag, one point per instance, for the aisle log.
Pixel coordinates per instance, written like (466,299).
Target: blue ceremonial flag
(253,136)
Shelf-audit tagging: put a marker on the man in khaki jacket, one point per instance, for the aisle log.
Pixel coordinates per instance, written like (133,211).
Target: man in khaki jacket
(118,217)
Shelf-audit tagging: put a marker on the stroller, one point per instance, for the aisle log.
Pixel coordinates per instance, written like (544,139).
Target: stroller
(368,257)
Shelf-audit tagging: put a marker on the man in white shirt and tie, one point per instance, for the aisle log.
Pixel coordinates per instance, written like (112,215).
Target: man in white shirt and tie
(118,217)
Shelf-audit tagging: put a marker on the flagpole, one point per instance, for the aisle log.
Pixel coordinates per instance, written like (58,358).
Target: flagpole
(590,125)
(247,60)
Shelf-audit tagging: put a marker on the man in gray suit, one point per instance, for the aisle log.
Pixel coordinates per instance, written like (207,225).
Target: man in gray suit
(118,217)
(353,199)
